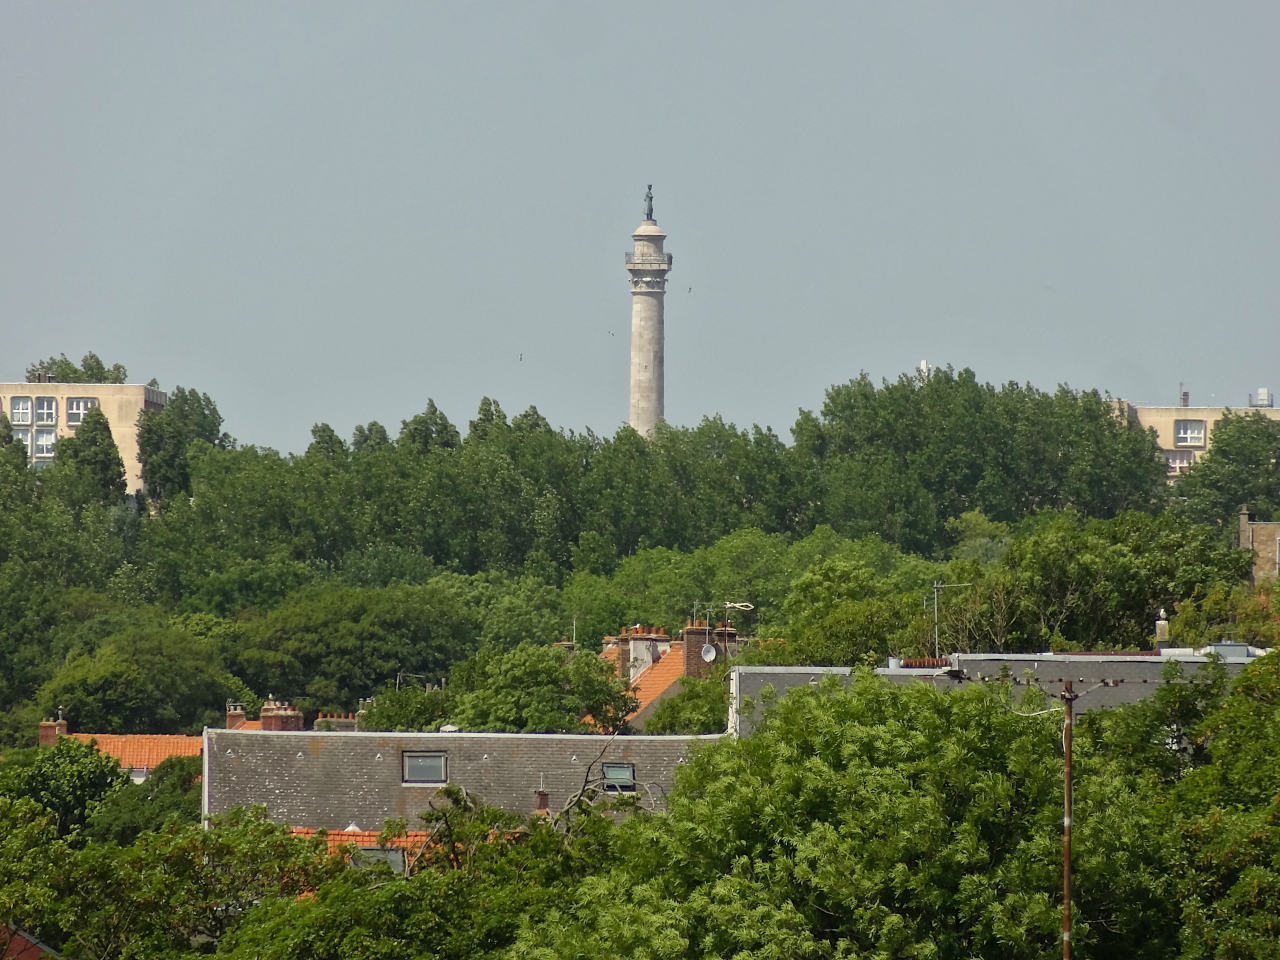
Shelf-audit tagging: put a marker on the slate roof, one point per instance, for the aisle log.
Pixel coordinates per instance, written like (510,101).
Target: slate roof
(143,751)
(329,779)
(1132,676)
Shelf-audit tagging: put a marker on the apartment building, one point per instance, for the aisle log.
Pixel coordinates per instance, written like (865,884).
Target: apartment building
(1183,431)
(43,413)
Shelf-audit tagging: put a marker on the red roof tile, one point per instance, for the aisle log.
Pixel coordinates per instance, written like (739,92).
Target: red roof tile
(364,839)
(141,751)
(22,947)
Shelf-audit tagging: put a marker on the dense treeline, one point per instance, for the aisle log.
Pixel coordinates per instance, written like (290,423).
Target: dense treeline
(872,821)
(326,575)
(876,821)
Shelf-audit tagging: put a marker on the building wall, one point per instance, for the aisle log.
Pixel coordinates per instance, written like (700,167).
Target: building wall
(1263,538)
(121,403)
(328,779)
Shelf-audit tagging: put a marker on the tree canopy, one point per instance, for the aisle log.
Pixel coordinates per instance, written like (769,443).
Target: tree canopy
(90,370)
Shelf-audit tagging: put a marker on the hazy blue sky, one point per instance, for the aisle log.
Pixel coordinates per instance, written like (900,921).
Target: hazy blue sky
(333,211)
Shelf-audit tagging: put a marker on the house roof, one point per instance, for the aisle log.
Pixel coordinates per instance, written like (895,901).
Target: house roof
(364,839)
(21,946)
(655,679)
(143,751)
(331,779)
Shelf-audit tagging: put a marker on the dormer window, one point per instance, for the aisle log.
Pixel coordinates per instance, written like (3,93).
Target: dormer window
(619,777)
(430,767)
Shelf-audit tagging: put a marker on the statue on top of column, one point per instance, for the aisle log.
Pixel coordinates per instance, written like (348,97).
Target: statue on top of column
(648,203)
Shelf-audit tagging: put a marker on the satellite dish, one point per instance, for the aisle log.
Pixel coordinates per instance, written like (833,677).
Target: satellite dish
(709,652)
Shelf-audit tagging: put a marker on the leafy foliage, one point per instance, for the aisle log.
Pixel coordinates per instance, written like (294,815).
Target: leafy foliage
(171,794)
(88,464)
(166,435)
(700,706)
(540,689)
(69,780)
(144,679)
(91,370)
(1241,467)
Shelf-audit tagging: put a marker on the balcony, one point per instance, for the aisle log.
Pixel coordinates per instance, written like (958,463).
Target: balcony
(648,263)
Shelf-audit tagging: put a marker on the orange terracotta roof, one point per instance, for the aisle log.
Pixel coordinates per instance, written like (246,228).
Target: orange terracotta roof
(610,654)
(140,751)
(365,839)
(655,679)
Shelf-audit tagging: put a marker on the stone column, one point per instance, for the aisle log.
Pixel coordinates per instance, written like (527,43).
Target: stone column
(648,266)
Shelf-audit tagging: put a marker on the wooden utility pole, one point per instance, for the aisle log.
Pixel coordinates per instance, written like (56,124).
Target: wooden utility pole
(1069,698)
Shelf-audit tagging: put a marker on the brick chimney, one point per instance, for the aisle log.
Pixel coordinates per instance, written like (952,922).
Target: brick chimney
(235,715)
(280,716)
(624,654)
(51,730)
(697,634)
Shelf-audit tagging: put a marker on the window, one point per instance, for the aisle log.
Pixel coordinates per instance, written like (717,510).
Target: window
(23,437)
(45,439)
(1188,433)
(77,407)
(423,767)
(20,411)
(46,410)
(1178,461)
(393,857)
(619,777)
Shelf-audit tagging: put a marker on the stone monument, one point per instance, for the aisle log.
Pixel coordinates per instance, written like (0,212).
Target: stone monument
(648,267)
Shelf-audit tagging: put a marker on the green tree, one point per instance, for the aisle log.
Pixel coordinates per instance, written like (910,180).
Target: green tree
(409,708)
(875,821)
(30,862)
(903,458)
(91,370)
(148,678)
(483,875)
(165,435)
(171,794)
(179,891)
(326,444)
(371,436)
(429,430)
(329,646)
(539,689)
(1241,467)
(1228,871)
(69,780)
(91,462)
(700,706)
